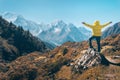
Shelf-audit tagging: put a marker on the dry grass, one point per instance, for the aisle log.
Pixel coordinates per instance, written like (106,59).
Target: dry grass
(45,67)
(64,73)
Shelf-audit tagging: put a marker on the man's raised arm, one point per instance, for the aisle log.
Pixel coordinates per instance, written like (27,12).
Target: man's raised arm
(106,24)
(88,25)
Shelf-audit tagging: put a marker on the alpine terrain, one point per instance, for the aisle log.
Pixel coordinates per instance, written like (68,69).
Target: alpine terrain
(25,57)
(56,33)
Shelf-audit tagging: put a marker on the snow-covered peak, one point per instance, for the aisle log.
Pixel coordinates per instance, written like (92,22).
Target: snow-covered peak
(57,30)
(20,17)
(9,16)
(58,23)
(70,25)
(20,21)
(12,17)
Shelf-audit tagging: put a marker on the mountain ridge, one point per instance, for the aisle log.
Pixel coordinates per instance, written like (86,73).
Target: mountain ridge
(57,30)
(40,29)
(112,30)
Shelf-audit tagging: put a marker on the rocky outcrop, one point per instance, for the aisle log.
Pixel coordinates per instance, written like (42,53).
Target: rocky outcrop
(89,59)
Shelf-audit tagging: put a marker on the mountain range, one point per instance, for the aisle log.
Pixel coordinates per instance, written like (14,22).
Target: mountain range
(61,32)
(55,33)
(26,57)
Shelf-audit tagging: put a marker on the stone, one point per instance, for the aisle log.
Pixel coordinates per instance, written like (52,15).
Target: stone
(89,59)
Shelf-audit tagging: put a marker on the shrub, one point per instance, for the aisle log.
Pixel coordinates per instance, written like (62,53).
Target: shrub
(65,50)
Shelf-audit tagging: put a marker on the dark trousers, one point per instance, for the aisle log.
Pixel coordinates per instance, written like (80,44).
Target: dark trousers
(97,38)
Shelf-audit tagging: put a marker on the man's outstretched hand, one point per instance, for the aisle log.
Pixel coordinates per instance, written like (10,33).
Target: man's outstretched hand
(83,22)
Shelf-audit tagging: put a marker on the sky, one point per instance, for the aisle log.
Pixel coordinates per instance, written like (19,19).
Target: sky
(70,11)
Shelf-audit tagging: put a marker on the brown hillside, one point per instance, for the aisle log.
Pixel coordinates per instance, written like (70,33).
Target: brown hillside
(55,65)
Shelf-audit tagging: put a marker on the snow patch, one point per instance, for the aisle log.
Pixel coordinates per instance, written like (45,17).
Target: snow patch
(57,30)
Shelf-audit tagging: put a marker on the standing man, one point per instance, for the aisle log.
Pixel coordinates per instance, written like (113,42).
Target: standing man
(96,32)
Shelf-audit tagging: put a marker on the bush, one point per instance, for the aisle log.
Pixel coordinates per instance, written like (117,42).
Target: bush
(65,50)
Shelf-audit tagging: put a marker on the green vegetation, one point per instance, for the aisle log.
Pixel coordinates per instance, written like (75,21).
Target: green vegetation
(16,42)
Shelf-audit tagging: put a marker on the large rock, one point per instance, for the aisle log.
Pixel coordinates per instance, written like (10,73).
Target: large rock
(89,59)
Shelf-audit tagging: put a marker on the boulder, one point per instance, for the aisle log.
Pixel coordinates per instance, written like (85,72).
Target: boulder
(89,59)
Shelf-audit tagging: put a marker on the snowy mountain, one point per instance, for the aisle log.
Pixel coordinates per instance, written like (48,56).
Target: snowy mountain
(61,32)
(85,31)
(56,33)
(19,20)
(11,17)
(28,25)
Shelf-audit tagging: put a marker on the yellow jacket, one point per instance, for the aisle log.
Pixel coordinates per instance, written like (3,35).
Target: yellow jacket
(96,28)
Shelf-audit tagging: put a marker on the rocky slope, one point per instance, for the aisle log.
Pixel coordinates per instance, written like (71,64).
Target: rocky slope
(55,64)
(89,59)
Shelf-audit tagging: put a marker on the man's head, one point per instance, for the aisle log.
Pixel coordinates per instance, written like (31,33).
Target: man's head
(97,22)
